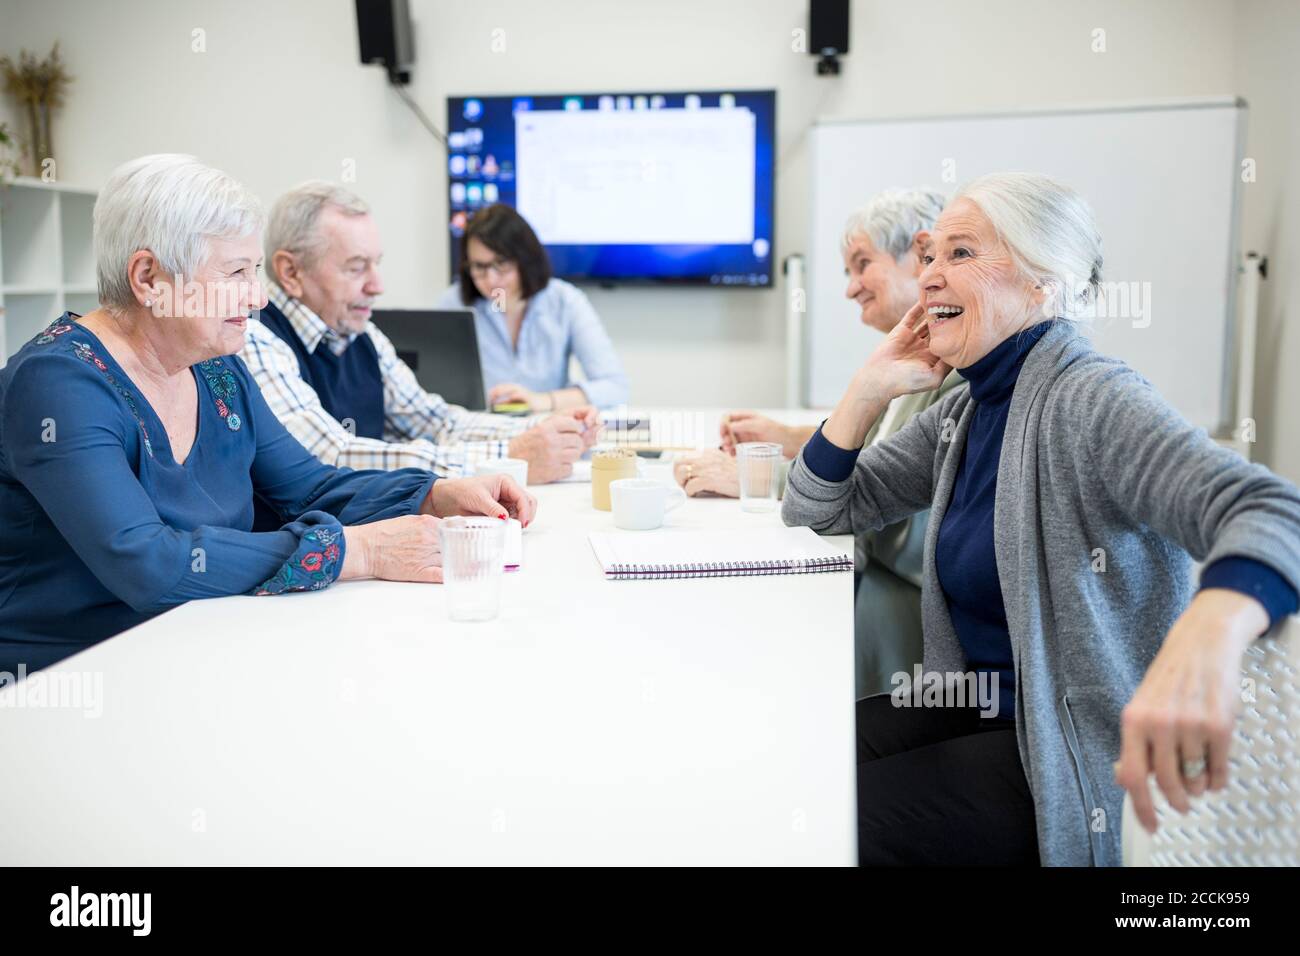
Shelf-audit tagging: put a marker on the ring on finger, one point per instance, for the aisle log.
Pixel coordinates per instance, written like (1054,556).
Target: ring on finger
(1193,768)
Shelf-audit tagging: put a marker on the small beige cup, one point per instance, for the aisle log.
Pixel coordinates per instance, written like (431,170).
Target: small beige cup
(607,466)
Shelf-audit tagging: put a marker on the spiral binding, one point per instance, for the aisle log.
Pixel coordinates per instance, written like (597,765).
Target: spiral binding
(727,569)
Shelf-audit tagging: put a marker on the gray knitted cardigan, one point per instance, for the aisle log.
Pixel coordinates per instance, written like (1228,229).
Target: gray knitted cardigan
(1092,458)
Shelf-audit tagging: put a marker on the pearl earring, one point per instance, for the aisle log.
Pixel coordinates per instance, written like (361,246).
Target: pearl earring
(148,303)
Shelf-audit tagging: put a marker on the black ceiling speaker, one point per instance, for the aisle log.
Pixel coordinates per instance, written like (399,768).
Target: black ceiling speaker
(828,33)
(384,31)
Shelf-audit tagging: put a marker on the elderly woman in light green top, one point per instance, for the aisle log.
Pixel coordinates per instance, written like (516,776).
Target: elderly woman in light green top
(882,247)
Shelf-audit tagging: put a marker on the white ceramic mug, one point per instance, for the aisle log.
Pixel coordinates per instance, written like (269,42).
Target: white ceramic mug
(639,504)
(516,468)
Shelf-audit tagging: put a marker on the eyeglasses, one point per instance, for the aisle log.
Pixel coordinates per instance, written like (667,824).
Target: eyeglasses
(500,266)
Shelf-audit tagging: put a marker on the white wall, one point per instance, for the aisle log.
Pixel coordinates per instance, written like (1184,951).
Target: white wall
(279,97)
(1268,39)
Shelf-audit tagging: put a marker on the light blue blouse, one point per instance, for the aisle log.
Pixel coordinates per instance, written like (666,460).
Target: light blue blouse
(101,528)
(559,322)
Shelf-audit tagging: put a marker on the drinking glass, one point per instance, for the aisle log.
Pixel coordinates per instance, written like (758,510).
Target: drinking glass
(473,558)
(756,466)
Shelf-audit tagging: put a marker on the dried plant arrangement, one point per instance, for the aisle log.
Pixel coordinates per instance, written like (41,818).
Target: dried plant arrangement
(39,86)
(9,150)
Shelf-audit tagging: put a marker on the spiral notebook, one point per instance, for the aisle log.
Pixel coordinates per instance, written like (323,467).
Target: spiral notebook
(684,553)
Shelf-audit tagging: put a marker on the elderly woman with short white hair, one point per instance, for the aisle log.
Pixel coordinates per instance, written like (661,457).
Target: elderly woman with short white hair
(1067,500)
(133,441)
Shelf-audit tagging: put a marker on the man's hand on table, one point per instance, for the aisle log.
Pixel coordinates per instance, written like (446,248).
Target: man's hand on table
(551,447)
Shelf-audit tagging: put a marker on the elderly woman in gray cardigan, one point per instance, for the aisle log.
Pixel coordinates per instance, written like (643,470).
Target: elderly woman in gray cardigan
(1066,497)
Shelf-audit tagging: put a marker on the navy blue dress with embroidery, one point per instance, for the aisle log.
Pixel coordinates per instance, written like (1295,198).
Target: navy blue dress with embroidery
(100,528)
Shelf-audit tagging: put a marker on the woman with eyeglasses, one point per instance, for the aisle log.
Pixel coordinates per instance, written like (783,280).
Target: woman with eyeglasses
(530,324)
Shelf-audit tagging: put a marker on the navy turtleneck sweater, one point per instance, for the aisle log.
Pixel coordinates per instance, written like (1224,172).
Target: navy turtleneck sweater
(964,555)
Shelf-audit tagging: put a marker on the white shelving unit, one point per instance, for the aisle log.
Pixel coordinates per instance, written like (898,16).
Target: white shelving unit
(47,263)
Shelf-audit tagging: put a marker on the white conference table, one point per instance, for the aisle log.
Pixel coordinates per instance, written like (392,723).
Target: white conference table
(594,722)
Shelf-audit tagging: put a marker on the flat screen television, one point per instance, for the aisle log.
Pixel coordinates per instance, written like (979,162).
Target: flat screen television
(649,187)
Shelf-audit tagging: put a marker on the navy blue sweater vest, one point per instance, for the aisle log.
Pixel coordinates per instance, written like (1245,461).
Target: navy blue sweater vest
(350,386)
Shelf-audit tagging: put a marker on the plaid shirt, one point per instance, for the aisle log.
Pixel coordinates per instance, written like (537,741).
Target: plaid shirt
(420,429)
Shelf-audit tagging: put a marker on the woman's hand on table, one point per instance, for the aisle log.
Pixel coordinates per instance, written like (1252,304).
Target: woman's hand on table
(1179,723)
(571,400)
(408,549)
(397,549)
(509,392)
(496,496)
(711,471)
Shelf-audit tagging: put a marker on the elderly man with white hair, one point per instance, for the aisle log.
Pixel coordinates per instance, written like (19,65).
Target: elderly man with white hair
(336,381)
(1067,656)
(882,246)
(133,442)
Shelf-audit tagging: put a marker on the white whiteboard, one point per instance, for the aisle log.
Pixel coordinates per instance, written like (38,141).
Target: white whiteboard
(1162,181)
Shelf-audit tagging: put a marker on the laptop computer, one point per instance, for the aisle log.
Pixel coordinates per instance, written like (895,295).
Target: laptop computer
(441,347)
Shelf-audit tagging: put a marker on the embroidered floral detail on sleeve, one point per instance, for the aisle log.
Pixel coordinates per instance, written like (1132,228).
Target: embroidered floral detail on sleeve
(221,382)
(313,566)
(53,331)
(83,351)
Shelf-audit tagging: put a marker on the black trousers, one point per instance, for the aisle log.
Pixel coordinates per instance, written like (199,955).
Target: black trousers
(940,785)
